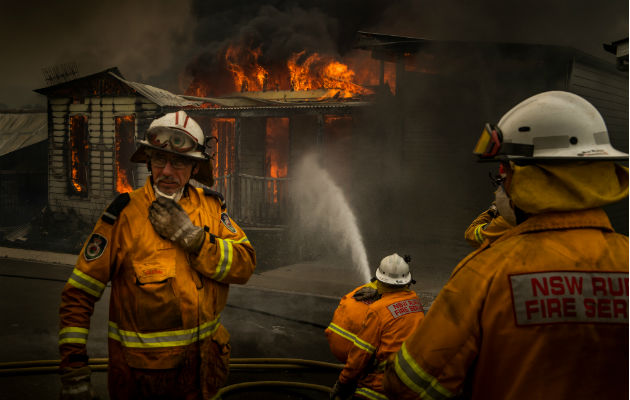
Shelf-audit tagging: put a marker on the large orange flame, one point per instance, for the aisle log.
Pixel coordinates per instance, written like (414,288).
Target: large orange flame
(301,71)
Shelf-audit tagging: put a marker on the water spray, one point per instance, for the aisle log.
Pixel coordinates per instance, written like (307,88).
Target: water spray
(322,207)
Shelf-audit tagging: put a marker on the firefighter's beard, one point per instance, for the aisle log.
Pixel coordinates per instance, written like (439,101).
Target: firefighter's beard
(175,196)
(504,205)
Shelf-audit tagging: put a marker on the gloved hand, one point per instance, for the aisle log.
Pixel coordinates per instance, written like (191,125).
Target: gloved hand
(171,221)
(366,294)
(76,385)
(342,391)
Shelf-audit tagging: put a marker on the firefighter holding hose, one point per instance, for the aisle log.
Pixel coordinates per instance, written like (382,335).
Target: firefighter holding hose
(170,251)
(542,311)
(369,325)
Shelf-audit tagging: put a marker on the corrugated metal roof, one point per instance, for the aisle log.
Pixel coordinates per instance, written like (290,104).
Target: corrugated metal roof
(159,96)
(21,130)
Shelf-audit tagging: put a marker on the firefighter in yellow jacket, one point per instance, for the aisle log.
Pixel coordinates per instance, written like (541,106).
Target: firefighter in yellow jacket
(541,312)
(170,251)
(348,319)
(389,312)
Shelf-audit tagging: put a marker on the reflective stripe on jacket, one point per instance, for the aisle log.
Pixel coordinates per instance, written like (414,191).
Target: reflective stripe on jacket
(346,322)
(485,226)
(539,313)
(388,322)
(162,299)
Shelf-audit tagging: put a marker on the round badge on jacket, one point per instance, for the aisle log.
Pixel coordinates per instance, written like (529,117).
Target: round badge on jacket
(95,247)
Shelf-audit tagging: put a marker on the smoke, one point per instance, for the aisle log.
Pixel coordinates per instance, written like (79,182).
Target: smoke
(147,40)
(323,213)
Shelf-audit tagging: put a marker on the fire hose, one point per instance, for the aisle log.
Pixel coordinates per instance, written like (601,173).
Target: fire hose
(100,364)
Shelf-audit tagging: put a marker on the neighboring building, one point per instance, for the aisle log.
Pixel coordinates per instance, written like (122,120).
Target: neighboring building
(23,165)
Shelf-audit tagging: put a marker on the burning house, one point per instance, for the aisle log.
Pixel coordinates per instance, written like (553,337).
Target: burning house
(393,122)
(92,125)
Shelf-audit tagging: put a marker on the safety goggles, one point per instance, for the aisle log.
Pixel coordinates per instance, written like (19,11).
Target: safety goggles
(159,159)
(491,144)
(180,142)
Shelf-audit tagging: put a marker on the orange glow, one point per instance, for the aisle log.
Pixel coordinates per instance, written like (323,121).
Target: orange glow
(249,76)
(122,180)
(276,153)
(223,147)
(349,77)
(78,152)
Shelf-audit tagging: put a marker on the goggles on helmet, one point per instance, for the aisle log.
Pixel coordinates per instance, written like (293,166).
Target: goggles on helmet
(490,144)
(170,139)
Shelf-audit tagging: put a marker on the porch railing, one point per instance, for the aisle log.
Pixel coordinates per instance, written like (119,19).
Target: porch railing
(255,200)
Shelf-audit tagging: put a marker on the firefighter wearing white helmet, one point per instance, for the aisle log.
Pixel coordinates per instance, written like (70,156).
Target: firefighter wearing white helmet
(164,249)
(389,311)
(523,306)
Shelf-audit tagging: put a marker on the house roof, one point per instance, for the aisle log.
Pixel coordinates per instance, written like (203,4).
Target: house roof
(19,130)
(110,82)
(159,96)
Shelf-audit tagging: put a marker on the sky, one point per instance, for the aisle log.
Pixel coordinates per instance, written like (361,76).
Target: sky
(162,43)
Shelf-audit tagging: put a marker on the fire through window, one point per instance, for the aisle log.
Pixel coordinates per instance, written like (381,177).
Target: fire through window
(125,129)
(276,156)
(223,147)
(78,155)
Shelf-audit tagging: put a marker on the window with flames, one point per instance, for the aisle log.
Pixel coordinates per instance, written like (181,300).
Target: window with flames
(78,155)
(125,127)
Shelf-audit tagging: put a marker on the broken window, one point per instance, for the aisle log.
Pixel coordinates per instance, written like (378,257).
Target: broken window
(276,156)
(125,147)
(223,148)
(78,155)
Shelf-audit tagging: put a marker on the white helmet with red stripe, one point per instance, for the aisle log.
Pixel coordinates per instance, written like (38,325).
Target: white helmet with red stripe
(176,133)
(179,134)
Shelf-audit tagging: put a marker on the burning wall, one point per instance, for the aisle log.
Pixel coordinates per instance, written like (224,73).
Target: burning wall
(91,141)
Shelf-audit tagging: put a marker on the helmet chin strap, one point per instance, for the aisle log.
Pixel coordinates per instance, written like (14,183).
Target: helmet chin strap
(175,196)
(504,205)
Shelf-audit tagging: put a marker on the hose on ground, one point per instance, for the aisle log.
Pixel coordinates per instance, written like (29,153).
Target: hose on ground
(100,364)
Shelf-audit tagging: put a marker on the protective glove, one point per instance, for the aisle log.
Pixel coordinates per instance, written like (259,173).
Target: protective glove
(342,391)
(171,221)
(76,385)
(367,295)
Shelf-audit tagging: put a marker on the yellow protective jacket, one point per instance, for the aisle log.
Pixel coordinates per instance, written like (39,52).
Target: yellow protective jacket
(165,304)
(346,322)
(387,324)
(541,313)
(485,226)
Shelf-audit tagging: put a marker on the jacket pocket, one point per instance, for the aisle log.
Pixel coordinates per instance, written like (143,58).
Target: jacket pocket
(215,361)
(157,307)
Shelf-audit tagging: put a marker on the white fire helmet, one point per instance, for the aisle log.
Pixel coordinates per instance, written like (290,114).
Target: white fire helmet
(553,125)
(179,134)
(393,270)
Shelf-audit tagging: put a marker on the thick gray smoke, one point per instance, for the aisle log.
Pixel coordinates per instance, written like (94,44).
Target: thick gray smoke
(322,212)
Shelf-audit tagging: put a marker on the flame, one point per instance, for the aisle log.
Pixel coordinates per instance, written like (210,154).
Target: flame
(75,161)
(248,74)
(301,71)
(276,152)
(122,180)
(222,162)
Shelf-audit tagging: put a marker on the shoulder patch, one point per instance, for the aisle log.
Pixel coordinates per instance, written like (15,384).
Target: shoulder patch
(115,208)
(217,195)
(404,307)
(226,221)
(95,247)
